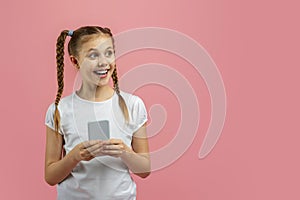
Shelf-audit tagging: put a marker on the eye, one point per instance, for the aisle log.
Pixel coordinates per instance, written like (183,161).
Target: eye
(108,53)
(93,55)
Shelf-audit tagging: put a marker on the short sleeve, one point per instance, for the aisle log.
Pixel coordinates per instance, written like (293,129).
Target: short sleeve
(139,114)
(49,119)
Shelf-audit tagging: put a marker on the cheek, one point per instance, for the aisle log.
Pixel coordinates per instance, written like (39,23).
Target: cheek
(112,67)
(88,64)
(111,60)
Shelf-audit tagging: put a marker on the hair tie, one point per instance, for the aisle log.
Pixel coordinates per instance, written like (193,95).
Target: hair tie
(70,33)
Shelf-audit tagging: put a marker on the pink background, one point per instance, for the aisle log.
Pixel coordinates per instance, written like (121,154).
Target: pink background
(256,47)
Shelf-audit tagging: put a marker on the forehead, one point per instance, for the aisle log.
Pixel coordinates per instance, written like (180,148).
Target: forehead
(99,42)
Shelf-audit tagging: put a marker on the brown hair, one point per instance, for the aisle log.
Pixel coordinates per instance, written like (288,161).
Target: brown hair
(73,48)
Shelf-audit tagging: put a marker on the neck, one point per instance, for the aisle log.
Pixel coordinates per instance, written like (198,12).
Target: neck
(98,93)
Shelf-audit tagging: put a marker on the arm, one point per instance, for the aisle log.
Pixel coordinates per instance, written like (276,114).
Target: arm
(137,159)
(58,168)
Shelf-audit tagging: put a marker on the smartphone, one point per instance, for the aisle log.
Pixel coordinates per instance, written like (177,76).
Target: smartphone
(98,130)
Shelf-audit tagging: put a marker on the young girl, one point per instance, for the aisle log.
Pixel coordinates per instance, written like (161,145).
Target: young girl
(94,169)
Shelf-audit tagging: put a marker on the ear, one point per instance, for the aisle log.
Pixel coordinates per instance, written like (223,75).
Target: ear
(74,62)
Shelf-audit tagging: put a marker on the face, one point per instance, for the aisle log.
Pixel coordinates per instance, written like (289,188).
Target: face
(96,60)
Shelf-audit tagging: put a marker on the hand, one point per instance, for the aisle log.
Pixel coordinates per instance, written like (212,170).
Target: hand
(87,150)
(114,147)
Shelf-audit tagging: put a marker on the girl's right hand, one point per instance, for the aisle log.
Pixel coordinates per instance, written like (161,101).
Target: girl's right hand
(87,150)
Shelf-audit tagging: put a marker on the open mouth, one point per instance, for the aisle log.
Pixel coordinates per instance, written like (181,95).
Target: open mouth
(101,72)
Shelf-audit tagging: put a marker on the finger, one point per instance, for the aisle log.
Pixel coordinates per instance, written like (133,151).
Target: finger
(113,141)
(113,147)
(112,152)
(91,155)
(91,143)
(84,154)
(116,141)
(96,151)
(95,146)
(89,158)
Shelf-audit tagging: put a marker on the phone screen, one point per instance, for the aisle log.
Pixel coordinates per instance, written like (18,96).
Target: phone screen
(98,130)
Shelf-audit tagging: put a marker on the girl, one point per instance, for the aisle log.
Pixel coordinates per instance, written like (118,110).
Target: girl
(94,169)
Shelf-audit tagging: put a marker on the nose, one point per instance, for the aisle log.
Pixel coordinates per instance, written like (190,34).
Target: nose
(103,64)
(102,61)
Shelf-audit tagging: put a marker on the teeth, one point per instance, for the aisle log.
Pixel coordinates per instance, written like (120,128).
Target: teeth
(102,72)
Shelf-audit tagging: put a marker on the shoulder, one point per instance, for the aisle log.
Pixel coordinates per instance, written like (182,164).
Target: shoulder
(64,104)
(131,99)
(137,110)
(135,104)
(67,99)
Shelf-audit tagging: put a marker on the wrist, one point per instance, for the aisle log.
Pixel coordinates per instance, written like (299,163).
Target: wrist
(127,152)
(74,158)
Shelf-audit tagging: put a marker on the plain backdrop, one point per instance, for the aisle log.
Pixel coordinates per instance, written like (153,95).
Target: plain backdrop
(255,45)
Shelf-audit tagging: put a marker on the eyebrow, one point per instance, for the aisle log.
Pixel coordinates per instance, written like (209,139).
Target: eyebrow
(93,49)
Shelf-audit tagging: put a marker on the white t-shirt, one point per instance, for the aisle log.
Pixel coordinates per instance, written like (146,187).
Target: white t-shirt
(103,177)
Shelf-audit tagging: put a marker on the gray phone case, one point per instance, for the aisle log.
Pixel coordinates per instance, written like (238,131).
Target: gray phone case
(98,130)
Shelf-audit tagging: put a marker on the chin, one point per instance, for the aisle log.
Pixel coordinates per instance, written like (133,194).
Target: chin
(103,82)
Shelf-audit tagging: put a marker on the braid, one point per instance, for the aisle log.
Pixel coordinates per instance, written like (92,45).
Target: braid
(114,76)
(122,103)
(115,81)
(60,74)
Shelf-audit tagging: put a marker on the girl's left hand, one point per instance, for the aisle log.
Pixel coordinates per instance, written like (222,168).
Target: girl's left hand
(114,147)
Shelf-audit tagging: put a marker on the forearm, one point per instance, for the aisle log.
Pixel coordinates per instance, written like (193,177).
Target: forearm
(56,172)
(138,163)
